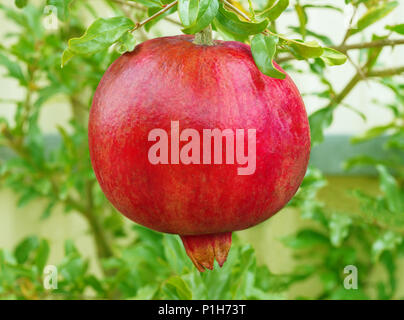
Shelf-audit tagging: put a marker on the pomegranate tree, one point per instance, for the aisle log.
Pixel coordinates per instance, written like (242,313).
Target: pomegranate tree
(193,186)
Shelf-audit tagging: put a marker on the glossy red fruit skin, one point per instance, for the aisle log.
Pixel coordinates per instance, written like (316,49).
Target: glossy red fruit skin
(202,87)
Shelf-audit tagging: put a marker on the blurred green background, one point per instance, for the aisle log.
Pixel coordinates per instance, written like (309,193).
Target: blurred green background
(349,210)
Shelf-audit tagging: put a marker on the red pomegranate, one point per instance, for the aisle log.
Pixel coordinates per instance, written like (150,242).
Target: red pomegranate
(163,181)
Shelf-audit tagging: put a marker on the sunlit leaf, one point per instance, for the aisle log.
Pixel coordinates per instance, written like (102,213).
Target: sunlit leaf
(21,3)
(276,10)
(394,196)
(101,34)
(333,57)
(25,247)
(231,23)
(14,69)
(188,11)
(387,242)
(207,11)
(42,255)
(302,16)
(176,288)
(263,50)
(304,50)
(304,239)
(374,14)
(339,228)
(319,120)
(62,7)
(126,43)
(398,28)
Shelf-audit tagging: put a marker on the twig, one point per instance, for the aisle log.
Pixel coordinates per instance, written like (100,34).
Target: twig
(347,89)
(358,68)
(371,44)
(348,32)
(386,72)
(158,13)
(358,77)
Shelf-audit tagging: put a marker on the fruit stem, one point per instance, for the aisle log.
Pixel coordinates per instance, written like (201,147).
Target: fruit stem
(204,37)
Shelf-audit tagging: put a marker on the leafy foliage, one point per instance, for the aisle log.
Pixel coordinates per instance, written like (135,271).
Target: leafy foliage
(153,267)
(136,263)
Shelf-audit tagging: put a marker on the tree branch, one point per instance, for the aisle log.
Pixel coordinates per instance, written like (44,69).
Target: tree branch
(347,89)
(158,13)
(371,44)
(358,77)
(142,8)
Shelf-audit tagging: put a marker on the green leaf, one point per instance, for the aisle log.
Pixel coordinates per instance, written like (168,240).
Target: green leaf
(374,14)
(14,69)
(387,242)
(66,56)
(305,239)
(276,10)
(374,53)
(24,248)
(126,43)
(94,283)
(146,292)
(70,248)
(74,269)
(302,16)
(21,3)
(339,228)
(263,49)
(333,57)
(188,11)
(231,23)
(398,28)
(175,253)
(242,284)
(152,11)
(389,185)
(344,294)
(326,40)
(390,264)
(42,255)
(100,35)
(319,120)
(48,209)
(62,7)
(196,285)
(26,197)
(176,288)
(373,133)
(207,11)
(323,6)
(304,50)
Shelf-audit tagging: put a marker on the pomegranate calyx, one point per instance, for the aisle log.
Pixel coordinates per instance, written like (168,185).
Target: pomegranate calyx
(204,249)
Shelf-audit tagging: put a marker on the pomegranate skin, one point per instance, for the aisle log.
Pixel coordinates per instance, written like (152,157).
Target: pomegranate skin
(203,87)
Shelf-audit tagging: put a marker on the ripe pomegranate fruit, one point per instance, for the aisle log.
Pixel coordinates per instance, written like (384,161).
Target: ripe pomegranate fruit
(173,80)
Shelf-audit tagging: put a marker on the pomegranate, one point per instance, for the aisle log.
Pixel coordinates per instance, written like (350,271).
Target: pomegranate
(175,86)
